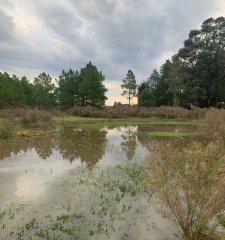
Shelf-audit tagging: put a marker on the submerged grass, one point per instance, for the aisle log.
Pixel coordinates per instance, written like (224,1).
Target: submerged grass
(98,201)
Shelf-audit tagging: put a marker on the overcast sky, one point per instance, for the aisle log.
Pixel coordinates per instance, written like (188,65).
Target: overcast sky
(115,35)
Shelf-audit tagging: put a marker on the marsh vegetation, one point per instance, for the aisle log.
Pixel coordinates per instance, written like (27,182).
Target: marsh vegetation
(68,177)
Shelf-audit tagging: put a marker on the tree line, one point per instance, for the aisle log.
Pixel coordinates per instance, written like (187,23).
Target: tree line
(74,88)
(195,75)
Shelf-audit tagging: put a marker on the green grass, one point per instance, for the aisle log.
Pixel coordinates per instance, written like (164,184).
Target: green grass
(173,134)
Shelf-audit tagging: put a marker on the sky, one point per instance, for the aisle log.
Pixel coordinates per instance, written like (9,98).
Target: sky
(115,35)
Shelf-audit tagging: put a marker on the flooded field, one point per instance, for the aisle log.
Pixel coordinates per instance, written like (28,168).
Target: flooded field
(84,183)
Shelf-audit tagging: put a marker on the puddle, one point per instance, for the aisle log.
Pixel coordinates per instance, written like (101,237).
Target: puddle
(71,179)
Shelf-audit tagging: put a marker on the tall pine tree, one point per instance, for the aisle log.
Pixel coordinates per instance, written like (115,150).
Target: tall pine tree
(129,85)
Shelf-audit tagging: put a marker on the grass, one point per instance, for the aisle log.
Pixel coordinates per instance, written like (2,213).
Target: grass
(6,130)
(101,122)
(173,134)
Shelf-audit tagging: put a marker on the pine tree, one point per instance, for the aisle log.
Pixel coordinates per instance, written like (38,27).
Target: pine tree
(129,85)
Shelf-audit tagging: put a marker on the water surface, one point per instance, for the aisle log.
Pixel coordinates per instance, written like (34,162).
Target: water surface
(41,176)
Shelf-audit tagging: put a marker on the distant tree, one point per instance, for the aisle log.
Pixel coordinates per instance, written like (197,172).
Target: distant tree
(67,90)
(117,104)
(14,91)
(44,91)
(25,91)
(175,80)
(146,98)
(91,89)
(129,85)
(142,87)
(5,85)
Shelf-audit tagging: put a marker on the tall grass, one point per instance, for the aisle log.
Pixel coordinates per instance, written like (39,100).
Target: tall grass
(6,129)
(191,182)
(215,123)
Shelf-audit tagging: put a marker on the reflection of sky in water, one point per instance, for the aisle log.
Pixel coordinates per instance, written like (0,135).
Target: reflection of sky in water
(114,153)
(30,169)
(32,174)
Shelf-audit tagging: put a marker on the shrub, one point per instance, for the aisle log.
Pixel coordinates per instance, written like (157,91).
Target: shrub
(6,129)
(191,182)
(35,118)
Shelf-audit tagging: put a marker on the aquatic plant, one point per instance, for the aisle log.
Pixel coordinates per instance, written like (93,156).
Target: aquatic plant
(90,218)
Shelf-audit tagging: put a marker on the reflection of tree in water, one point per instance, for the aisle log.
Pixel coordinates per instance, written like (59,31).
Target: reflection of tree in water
(129,144)
(42,145)
(86,144)
(143,138)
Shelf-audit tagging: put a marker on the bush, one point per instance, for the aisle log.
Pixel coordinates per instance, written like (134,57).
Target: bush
(6,129)
(191,182)
(35,118)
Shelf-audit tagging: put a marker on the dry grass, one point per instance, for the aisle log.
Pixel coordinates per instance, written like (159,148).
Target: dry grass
(191,182)
(6,129)
(215,123)
(35,118)
(141,112)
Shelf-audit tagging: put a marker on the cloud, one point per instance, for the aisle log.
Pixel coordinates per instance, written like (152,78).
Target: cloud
(116,35)
(7,28)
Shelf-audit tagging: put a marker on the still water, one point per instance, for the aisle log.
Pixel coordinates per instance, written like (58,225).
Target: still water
(75,171)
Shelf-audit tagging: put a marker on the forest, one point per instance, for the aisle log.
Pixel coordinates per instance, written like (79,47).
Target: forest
(194,75)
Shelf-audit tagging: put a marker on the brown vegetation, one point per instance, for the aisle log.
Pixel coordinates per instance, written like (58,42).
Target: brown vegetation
(142,112)
(6,129)
(215,123)
(35,118)
(191,182)
(27,117)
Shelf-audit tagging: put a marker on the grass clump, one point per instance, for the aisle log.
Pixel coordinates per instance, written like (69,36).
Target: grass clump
(191,182)
(6,130)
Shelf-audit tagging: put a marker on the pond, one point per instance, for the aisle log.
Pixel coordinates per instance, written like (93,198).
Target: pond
(82,183)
